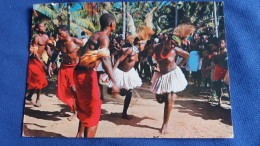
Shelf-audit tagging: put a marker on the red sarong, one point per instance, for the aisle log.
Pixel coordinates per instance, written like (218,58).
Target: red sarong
(88,102)
(36,77)
(65,82)
(219,73)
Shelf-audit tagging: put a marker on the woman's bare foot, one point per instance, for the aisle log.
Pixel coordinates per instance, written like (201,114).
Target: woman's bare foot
(164,130)
(72,117)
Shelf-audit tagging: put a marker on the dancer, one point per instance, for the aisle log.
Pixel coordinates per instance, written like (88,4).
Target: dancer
(36,77)
(168,78)
(88,102)
(220,59)
(125,74)
(68,46)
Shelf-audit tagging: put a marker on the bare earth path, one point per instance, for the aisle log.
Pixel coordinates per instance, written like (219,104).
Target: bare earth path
(191,117)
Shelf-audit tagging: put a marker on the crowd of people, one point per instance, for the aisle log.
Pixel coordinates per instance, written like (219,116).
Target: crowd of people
(88,63)
(205,69)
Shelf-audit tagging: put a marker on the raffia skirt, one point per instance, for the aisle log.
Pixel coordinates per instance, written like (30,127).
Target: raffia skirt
(126,80)
(174,81)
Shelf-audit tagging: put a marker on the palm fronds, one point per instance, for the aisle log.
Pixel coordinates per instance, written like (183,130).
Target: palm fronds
(74,30)
(84,23)
(46,11)
(78,14)
(149,18)
(130,25)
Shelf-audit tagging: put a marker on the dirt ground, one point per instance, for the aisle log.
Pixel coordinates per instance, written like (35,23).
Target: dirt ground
(191,117)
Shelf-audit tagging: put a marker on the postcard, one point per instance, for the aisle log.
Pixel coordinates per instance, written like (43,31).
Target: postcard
(128,70)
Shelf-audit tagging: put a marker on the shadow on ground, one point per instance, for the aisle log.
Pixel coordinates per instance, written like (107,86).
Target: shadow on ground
(50,90)
(204,110)
(38,133)
(46,115)
(116,118)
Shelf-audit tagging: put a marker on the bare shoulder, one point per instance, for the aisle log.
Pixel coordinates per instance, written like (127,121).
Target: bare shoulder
(46,36)
(94,36)
(103,38)
(36,36)
(128,50)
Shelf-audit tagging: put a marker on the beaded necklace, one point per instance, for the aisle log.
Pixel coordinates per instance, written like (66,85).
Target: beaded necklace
(161,55)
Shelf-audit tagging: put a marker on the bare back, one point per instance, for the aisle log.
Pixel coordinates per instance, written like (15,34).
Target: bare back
(96,41)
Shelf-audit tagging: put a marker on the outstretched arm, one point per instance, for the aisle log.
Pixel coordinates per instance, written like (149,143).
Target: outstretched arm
(182,53)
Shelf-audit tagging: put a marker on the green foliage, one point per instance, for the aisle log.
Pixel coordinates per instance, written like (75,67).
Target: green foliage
(84,23)
(45,10)
(199,14)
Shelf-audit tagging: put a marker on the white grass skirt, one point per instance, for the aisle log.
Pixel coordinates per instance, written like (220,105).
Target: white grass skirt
(174,81)
(126,80)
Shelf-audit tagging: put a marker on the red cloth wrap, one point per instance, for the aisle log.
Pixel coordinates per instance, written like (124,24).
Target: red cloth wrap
(88,103)
(36,77)
(219,73)
(65,82)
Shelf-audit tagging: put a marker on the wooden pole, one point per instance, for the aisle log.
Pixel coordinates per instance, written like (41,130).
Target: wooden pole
(124,21)
(215,19)
(176,14)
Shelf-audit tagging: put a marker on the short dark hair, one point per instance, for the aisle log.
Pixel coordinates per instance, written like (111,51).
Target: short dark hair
(64,28)
(154,36)
(214,41)
(166,33)
(106,20)
(136,40)
(37,25)
(83,33)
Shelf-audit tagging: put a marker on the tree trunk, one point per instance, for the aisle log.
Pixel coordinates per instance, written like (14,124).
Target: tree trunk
(176,14)
(215,19)
(68,10)
(124,21)
(127,10)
